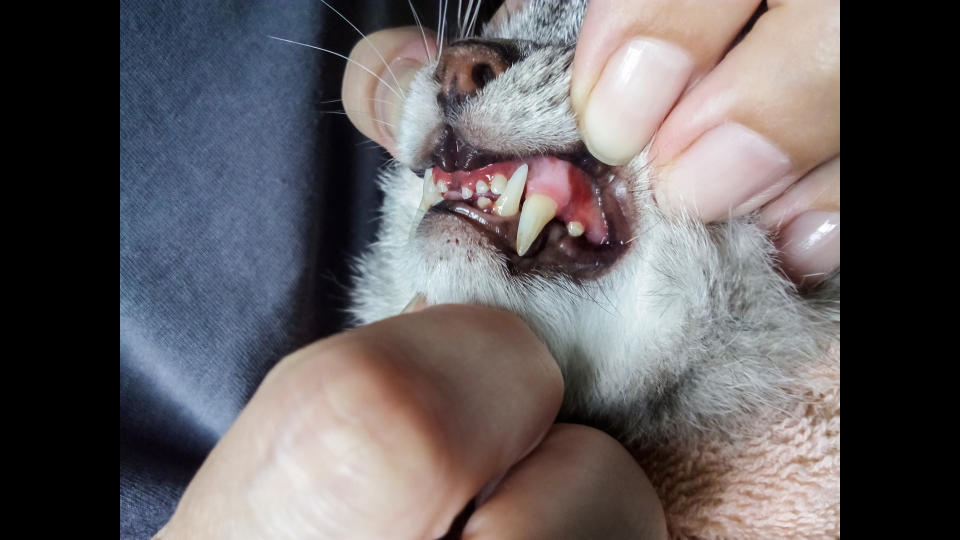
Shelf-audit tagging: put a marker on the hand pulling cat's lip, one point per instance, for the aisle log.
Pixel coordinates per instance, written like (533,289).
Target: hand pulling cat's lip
(549,215)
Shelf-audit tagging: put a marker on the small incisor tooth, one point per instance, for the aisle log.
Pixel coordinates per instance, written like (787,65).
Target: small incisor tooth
(482,187)
(537,211)
(483,203)
(497,184)
(575,228)
(509,202)
(466,193)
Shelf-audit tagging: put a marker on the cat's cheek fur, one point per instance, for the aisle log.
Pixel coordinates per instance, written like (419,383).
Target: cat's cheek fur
(692,329)
(419,120)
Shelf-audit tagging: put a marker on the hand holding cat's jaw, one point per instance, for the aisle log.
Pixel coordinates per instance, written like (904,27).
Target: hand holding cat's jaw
(738,128)
(387,432)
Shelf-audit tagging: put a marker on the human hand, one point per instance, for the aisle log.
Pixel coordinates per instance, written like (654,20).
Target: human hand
(758,126)
(388,430)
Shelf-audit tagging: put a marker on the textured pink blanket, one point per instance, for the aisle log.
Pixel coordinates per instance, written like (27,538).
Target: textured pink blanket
(783,482)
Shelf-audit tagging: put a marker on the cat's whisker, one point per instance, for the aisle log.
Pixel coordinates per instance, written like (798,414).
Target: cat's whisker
(439,28)
(423,34)
(439,21)
(388,124)
(374,47)
(359,112)
(473,20)
(327,102)
(358,64)
(466,19)
(442,25)
(446,13)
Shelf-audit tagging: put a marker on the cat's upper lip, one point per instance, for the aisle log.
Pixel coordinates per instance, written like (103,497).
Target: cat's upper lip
(541,212)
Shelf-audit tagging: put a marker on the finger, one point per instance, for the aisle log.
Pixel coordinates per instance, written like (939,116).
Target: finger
(384,431)
(634,59)
(766,115)
(373,101)
(807,221)
(578,483)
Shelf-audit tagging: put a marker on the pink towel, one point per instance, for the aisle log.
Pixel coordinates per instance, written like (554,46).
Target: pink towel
(784,481)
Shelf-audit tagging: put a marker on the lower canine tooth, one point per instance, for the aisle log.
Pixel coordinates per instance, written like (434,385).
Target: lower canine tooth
(537,211)
(509,202)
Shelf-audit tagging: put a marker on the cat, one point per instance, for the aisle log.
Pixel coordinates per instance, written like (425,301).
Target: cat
(663,327)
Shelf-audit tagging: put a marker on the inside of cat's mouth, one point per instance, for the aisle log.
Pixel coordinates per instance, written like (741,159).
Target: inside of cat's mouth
(556,212)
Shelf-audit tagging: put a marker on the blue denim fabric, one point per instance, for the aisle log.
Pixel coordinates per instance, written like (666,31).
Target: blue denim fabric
(240,206)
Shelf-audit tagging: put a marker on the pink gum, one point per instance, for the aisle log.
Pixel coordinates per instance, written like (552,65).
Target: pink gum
(560,180)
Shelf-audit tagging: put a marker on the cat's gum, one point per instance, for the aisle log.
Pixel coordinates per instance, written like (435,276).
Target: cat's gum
(576,198)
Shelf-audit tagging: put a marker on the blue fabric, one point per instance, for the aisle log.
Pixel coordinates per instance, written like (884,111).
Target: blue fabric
(240,206)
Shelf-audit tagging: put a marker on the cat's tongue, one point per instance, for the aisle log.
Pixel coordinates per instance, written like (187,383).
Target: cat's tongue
(539,189)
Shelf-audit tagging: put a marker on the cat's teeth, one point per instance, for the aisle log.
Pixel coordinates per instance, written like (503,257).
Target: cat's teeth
(497,184)
(483,203)
(538,210)
(509,202)
(442,187)
(466,193)
(482,187)
(575,228)
(430,194)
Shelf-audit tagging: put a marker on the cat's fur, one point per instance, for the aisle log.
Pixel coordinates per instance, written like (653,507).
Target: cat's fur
(693,328)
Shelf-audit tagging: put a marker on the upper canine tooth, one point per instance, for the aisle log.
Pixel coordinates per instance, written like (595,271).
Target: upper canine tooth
(430,194)
(482,187)
(538,210)
(497,184)
(509,202)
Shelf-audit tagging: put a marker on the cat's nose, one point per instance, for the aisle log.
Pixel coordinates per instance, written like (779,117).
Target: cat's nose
(467,66)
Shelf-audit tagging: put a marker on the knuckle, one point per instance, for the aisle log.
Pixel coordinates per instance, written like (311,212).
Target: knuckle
(362,398)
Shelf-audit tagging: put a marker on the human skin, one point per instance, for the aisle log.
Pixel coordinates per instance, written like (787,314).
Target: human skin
(386,431)
(729,131)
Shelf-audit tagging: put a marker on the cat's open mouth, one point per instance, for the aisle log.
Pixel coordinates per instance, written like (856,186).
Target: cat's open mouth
(546,213)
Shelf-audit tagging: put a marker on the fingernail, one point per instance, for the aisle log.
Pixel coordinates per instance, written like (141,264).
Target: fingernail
(389,97)
(810,246)
(419,302)
(729,171)
(636,89)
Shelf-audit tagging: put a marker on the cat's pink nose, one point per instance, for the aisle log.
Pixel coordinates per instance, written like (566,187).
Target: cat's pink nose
(467,66)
